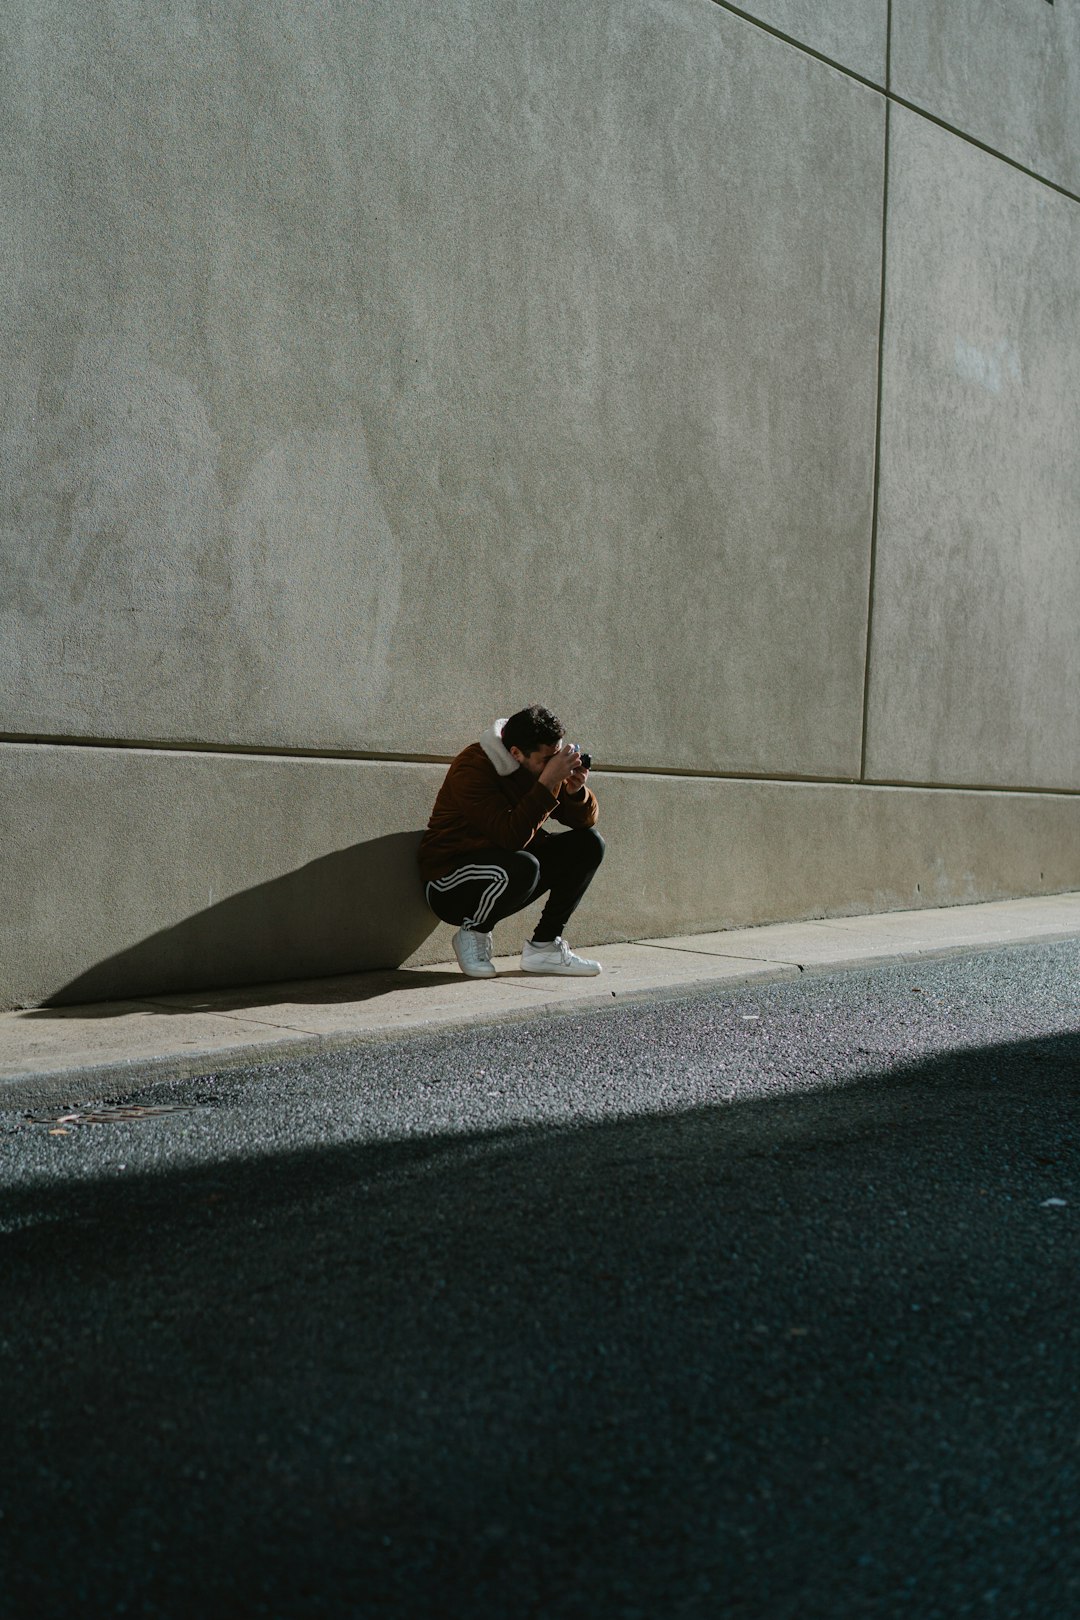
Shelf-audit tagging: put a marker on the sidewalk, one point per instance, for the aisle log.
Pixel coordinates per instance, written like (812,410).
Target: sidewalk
(75,1054)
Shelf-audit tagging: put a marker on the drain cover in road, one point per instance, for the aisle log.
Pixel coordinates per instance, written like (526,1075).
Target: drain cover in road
(106,1114)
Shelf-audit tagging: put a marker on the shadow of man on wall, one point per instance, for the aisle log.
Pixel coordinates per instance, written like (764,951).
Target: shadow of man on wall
(354,910)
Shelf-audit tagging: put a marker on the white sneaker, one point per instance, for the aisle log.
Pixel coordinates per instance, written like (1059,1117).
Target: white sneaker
(473,952)
(555,957)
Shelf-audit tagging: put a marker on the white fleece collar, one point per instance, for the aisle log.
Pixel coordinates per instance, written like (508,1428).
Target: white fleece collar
(492,744)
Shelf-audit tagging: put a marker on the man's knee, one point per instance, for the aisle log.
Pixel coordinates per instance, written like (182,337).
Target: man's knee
(592,845)
(525,877)
(524,872)
(580,850)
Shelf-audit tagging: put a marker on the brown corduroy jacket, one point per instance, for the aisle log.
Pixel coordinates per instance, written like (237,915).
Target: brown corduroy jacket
(484,806)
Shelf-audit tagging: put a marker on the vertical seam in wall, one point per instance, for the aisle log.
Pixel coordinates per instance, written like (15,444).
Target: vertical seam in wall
(880,393)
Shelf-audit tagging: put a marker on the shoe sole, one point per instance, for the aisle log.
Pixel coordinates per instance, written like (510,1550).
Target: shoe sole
(564,973)
(471,972)
(474,970)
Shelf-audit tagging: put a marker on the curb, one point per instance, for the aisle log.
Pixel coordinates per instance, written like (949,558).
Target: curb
(116,1079)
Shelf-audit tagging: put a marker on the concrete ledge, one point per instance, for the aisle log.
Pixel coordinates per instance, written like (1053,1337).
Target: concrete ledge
(107,1050)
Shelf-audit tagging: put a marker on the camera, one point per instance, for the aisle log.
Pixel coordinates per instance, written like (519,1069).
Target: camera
(586,759)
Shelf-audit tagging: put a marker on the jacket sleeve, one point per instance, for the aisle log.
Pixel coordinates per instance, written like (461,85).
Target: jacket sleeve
(478,800)
(578,809)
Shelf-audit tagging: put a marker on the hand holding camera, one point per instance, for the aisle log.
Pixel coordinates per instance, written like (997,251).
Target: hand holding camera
(568,767)
(576,779)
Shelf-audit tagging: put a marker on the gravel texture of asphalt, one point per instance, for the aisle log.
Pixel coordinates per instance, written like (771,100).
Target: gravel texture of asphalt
(758,1303)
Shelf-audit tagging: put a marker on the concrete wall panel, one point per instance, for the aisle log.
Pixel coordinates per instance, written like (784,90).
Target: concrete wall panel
(851,32)
(1005,71)
(130,872)
(753,852)
(133,870)
(377,366)
(975,662)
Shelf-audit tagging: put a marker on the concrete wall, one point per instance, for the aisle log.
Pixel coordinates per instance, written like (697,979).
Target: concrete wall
(1006,72)
(853,33)
(372,370)
(976,652)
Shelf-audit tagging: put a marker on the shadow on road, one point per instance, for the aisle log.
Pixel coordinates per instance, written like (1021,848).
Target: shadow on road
(812,1355)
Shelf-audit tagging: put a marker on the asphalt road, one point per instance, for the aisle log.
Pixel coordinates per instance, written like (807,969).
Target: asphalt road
(762,1303)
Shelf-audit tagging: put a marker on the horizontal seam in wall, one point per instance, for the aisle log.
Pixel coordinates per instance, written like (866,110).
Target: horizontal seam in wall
(900,101)
(169,745)
(375,757)
(892,784)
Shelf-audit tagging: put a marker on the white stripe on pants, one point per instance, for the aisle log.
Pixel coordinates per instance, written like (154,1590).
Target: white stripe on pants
(498,880)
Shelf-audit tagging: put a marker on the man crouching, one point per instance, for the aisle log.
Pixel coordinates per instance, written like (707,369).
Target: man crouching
(485,853)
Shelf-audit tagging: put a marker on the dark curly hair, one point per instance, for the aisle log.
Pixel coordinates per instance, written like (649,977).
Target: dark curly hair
(531,728)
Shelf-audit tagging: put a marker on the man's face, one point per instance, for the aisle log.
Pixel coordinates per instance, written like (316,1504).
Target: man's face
(535,762)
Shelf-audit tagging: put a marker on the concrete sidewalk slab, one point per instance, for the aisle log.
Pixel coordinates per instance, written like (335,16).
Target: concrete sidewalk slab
(79,1053)
(895,935)
(413,997)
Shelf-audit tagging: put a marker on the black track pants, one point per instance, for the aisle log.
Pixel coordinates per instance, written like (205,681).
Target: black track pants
(494,883)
